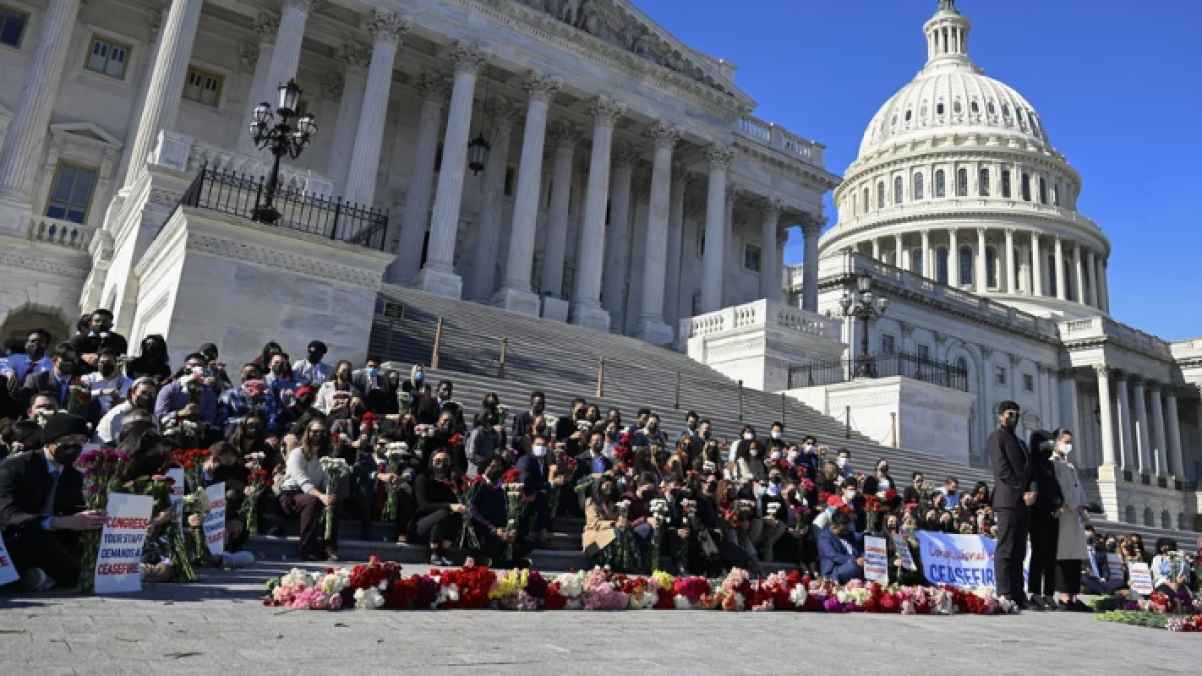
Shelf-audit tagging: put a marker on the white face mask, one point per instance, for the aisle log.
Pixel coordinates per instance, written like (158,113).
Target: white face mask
(775,434)
(755,452)
(841,462)
(792,456)
(774,455)
(539,451)
(1066,448)
(748,436)
(849,496)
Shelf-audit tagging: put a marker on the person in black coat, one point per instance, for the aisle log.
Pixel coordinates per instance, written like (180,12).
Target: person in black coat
(1014,491)
(1043,525)
(523,421)
(535,468)
(439,512)
(44,546)
(99,333)
(489,512)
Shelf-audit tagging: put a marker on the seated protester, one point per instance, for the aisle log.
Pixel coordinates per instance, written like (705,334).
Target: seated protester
(215,374)
(300,411)
(534,469)
(776,438)
(312,370)
(107,385)
(65,384)
(305,491)
(773,513)
(523,421)
(18,435)
(644,463)
(711,454)
(566,426)
(447,437)
(746,463)
(590,464)
(678,465)
(17,366)
(949,495)
(439,513)
(142,395)
(42,506)
(916,492)
(41,405)
(280,381)
(447,404)
(187,396)
(650,433)
(424,405)
(829,479)
(843,462)
(489,513)
(1170,569)
(98,336)
(604,525)
(745,438)
(809,458)
(225,464)
(855,503)
(797,544)
(691,435)
(841,551)
(903,529)
(376,388)
(484,442)
(880,481)
(338,397)
(979,497)
(737,509)
(251,397)
(153,361)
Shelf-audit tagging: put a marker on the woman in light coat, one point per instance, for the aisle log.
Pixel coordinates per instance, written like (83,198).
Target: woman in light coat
(1071,545)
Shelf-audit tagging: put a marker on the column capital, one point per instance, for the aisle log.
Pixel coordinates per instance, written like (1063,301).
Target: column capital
(541,87)
(1137,381)
(354,55)
(719,156)
(606,111)
(387,26)
(981,231)
(1104,371)
(565,134)
(664,134)
(266,25)
(772,208)
(467,57)
(434,87)
(810,225)
(1153,386)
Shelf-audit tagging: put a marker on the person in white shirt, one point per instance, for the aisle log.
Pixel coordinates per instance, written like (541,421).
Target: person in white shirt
(313,370)
(107,383)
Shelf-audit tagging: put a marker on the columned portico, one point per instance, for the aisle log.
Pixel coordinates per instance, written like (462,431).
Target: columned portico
(715,228)
(617,235)
(586,299)
(482,277)
(1109,457)
(1176,456)
(652,327)
(434,91)
(352,88)
(386,29)
(284,63)
(770,283)
(675,242)
(266,26)
(1143,435)
(438,275)
(1160,462)
(1130,453)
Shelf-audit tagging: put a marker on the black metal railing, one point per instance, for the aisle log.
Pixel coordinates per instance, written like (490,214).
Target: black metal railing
(331,218)
(882,366)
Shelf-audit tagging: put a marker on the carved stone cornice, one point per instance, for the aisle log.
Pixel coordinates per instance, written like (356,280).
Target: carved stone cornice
(625,155)
(266,25)
(719,156)
(564,134)
(354,55)
(11,257)
(606,112)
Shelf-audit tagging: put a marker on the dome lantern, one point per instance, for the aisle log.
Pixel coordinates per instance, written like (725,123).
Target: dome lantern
(947,33)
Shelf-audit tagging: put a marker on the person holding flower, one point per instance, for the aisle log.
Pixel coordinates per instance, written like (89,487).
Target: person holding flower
(305,491)
(439,512)
(1170,569)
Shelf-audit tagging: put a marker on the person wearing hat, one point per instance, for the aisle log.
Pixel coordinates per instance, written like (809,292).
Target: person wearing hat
(1014,492)
(42,506)
(313,370)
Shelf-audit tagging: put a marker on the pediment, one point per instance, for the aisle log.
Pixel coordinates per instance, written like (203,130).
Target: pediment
(621,24)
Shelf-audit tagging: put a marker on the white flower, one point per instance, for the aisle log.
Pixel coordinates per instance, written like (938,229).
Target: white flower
(798,595)
(681,602)
(447,594)
(571,585)
(368,599)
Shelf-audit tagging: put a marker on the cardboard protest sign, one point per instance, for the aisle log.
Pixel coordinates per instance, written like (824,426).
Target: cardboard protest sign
(1140,578)
(903,552)
(876,559)
(214,523)
(118,563)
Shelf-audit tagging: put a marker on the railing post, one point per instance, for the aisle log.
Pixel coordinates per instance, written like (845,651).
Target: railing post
(676,401)
(258,193)
(437,342)
(784,410)
(847,422)
(337,213)
(893,424)
(601,377)
(504,350)
(740,401)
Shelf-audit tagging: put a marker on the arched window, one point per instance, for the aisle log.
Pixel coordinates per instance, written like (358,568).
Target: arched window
(1056,193)
(880,195)
(939,109)
(992,110)
(940,184)
(941,265)
(1026,181)
(897,189)
(909,115)
(990,267)
(966,272)
(962,183)
(1043,191)
(918,186)
(916,261)
(976,108)
(865,200)
(983,182)
(1052,281)
(957,107)
(1129,514)
(1148,516)
(1006,183)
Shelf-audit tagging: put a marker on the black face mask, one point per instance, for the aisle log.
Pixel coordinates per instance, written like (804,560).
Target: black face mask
(107,370)
(65,454)
(66,367)
(144,402)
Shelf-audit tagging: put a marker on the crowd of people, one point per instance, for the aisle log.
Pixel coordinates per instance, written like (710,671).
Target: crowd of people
(494,484)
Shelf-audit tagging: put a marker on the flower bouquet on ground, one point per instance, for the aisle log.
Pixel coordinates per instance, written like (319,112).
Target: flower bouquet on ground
(336,470)
(393,463)
(307,590)
(100,468)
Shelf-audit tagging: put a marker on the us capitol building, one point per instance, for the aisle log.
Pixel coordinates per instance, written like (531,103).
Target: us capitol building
(571,160)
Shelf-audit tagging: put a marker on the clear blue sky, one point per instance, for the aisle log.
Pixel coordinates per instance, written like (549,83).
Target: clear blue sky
(1118,84)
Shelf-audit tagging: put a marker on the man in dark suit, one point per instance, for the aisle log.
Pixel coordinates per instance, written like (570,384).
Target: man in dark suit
(42,506)
(841,550)
(1043,526)
(63,382)
(99,334)
(523,421)
(534,469)
(1014,490)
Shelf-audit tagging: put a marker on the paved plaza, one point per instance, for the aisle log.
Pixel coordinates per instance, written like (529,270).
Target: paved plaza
(219,626)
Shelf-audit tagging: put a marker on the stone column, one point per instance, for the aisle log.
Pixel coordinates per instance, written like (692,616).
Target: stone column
(433,90)
(438,275)
(1159,444)
(1108,454)
(1091,271)
(953,258)
(927,269)
(386,29)
(1128,451)
(565,137)
(1061,282)
(350,106)
(982,280)
(876,249)
(482,276)
(1103,286)
(515,294)
(1143,434)
(285,55)
(715,228)
(1079,273)
(266,27)
(1009,258)
(811,228)
(770,279)
(1176,465)
(731,265)
(1036,266)
(652,327)
(675,244)
(586,298)
(617,236)
(899,252)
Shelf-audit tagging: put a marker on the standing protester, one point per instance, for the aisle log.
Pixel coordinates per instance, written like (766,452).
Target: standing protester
(107,384)
(1043,524)
(1071,544)
(313,370)
(1013,493)
(152,361)
(98,334)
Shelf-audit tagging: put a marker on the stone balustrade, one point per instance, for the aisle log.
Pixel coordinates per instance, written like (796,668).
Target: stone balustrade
(60,233)
(778,138)
(187,154)
(1103,327)
(760,313)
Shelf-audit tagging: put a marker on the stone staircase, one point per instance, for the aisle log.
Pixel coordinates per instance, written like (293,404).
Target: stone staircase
(484,349)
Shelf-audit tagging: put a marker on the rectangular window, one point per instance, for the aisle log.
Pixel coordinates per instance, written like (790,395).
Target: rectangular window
(12,26)
(1006,183)
(888,344)
(107,58)
(983,182)
(1028,382)
(751,257)
(203,86)
(999,375)
(71,193)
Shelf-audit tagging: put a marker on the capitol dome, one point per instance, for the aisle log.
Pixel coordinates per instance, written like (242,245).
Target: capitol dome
(957,180)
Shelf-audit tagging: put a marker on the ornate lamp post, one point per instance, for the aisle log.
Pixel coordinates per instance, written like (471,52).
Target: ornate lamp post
(282,138)
(864,305)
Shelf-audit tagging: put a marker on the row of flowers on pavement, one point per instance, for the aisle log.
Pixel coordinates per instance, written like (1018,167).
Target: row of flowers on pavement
(1176,612)
(381,585)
